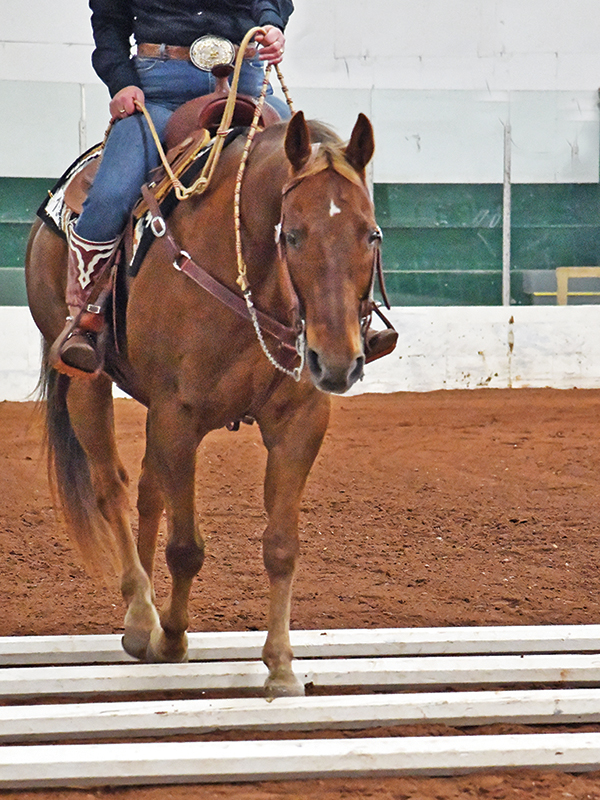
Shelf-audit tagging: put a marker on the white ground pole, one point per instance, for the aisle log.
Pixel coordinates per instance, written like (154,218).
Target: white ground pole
(414,667)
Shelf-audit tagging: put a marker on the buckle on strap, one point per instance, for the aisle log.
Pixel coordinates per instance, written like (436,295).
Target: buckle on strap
(158,226)
(184,256)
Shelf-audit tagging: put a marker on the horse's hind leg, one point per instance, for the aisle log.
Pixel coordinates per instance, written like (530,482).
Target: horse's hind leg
(170,460)
(293,447)
(91,412)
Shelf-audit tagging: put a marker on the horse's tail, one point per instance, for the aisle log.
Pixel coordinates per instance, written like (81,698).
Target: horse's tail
(70,478)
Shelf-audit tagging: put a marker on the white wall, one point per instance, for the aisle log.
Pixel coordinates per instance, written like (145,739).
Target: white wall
(439,79)
(495,347)
(438,348)
(479,45)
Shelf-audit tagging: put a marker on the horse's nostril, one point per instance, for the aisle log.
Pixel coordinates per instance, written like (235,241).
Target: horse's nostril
(332,377)
(358,370)
(314,362)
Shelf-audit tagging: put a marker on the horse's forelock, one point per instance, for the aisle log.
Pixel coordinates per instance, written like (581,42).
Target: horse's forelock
(328,153)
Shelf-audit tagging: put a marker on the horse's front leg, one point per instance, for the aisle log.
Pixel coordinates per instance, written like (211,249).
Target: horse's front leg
(171,458)
(293,445)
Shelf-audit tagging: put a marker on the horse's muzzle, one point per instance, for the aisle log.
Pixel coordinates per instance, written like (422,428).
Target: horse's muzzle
(334,377)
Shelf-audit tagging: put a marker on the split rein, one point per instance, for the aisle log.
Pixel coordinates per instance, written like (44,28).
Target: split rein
(182,261)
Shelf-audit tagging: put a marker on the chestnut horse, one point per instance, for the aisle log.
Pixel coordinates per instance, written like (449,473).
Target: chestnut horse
(310,242)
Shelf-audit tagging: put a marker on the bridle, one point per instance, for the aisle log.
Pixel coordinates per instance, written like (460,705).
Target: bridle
(367,304)
(291,339)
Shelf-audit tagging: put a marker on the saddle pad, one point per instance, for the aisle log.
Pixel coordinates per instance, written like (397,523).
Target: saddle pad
(54,211)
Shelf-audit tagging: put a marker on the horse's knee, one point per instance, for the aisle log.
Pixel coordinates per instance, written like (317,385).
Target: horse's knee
(279,555)
(185,559)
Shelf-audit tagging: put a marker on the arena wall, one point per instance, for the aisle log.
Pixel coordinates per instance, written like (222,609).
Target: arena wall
(438,348)
(443,82)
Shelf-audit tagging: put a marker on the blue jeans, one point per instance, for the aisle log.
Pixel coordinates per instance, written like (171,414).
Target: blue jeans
(130,153)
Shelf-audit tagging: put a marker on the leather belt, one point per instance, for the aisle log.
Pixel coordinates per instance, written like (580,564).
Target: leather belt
(204,53)
(164,51)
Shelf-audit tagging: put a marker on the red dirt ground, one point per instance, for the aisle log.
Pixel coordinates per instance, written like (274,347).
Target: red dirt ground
(436,509)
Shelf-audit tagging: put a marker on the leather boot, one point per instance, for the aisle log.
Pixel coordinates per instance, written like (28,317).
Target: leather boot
(74,352)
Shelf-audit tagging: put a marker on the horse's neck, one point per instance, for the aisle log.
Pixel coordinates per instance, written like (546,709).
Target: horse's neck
(261,191)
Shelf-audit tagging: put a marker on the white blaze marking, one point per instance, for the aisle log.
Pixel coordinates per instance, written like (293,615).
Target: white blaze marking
(277,232)
(333,209)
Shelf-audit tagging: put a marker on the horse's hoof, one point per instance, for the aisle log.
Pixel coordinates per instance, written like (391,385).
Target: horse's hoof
(140,620)
(135,642)
(165,649)
(283,686)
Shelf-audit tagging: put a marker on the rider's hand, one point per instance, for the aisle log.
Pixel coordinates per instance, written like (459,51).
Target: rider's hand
(123,103)
(272,44)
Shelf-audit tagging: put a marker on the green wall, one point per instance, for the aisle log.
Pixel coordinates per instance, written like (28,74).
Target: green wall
(19,200)
(442,243)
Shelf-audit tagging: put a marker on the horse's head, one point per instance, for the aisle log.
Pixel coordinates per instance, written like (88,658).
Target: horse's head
(329,240)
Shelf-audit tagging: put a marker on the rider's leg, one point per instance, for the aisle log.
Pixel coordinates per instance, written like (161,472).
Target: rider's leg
(75,349)
(128,156)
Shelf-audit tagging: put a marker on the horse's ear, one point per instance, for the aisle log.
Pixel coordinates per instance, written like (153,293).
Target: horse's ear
(361,146)
(297,141)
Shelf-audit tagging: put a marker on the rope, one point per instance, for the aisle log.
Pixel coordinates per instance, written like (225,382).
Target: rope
(242,279)
(284,89)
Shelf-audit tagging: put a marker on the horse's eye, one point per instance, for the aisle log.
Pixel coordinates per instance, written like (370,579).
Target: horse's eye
(375,236)
(291,238)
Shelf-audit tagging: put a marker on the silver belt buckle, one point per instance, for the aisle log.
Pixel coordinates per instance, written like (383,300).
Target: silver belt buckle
(211,51)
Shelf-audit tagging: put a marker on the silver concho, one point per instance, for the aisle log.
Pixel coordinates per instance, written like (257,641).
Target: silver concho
(211,51)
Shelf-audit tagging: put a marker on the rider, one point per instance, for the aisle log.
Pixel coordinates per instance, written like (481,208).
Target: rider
(162,76)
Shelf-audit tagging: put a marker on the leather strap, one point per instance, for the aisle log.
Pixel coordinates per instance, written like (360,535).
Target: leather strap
(164,51)
(381,280)
(183,262)
(177,52)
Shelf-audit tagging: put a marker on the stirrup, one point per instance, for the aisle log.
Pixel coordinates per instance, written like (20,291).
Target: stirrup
(379,343)
(79,337)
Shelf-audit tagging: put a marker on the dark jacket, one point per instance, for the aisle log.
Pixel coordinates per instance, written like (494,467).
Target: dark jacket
(170,22)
